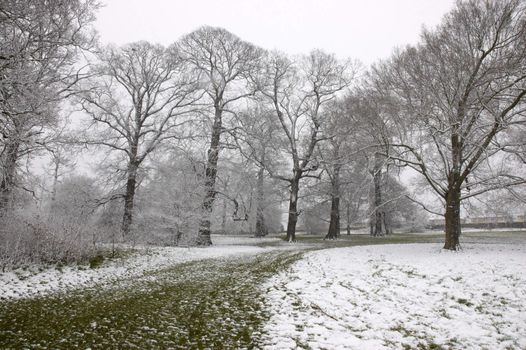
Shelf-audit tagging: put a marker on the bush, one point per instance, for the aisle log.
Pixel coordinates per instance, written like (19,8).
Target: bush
(26,239)
(96,261)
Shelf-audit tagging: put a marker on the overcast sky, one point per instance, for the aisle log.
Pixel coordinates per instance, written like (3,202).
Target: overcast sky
(361,29)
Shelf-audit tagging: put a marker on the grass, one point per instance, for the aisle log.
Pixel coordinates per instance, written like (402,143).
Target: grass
(464,302)
(206,304)
(316,241)
(96,261)
(214,303)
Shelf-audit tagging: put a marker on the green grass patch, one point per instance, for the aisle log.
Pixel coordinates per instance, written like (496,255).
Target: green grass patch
(318,241)
(464,302)
(96,261)
(315,241)
(212,303)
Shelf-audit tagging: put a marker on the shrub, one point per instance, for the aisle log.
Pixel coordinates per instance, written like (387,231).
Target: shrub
(96,261)
(26,238)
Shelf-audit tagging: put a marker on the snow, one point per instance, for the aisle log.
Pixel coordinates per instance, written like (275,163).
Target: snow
(242,240)
(401,296)
(40,280)
(369,297)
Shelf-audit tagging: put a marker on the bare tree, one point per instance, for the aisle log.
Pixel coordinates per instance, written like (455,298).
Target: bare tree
(168,204)
(334,155)
(142,95)
(61,163)
(356,132)
(256,140)
(40,44)
(298,91)
(463,89)
(75,198)
(354,191)
(376,127)
(225,64)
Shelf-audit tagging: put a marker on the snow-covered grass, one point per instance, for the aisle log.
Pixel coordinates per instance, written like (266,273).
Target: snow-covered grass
(243,293)
(242,240)
(41,280)
(204,304)
(38,280)
(401,296)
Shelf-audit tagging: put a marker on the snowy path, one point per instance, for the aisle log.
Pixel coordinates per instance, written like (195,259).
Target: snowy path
(38,281)
(401,296)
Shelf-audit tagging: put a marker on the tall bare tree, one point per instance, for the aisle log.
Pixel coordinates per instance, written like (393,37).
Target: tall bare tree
(257,141)
(463,89)
(356,132)
(225,64)
(334,155)
(141,96)
(377,129)
(298,92)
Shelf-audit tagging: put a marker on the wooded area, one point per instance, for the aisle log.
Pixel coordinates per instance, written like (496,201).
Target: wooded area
(166,145)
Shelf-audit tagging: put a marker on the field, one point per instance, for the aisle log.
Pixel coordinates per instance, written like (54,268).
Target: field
(358,292)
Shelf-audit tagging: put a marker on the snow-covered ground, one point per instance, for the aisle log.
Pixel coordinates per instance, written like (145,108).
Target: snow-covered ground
(401,296)
(39,280)
(237,240)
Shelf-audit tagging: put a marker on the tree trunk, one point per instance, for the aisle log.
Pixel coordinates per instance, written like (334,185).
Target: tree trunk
(8,179)
(293,209)
(223,217)
(452,215)
(334,224)
(224,206)
(203,235)
(348,218)
(55,180)
(261,227)
(377,182)
(388,228)
(129,196)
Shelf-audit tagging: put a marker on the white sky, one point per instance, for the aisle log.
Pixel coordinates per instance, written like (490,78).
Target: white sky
(361,29)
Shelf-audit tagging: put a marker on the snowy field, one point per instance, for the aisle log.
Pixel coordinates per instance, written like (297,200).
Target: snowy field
(392,296)
(401,296)
(39,280)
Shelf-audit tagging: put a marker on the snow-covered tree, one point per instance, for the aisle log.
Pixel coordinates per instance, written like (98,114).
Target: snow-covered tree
(462,90)
(140,96)
(225,64)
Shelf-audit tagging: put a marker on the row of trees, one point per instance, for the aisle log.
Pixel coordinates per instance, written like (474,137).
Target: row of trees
(450,108)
